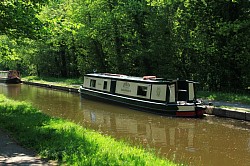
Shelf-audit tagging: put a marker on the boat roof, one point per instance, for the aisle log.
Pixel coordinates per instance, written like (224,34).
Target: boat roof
(6,71)
(124,77)
(131,78)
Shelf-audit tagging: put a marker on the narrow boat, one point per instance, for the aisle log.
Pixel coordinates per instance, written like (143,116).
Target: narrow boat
(148,93)
(10,77)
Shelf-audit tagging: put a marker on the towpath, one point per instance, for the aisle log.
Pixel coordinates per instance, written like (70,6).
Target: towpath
(236,106)
(11,153)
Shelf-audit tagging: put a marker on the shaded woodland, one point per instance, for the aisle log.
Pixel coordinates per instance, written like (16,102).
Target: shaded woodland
(203,40)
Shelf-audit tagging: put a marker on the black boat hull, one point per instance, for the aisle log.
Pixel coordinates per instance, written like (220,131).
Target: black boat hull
(144,105)
(11,81)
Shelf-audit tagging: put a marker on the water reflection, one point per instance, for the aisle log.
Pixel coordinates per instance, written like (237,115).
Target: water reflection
(208,141)
(211,141)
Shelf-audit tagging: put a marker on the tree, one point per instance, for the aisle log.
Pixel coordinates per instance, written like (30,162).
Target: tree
(18,18)
(202,40)
(9,57)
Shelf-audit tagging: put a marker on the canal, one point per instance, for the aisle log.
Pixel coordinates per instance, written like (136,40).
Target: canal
(208,141)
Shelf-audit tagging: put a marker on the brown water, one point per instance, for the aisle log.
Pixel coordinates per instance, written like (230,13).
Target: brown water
(209,141)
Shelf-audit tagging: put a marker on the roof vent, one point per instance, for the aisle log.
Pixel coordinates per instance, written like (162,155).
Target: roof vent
(149,77)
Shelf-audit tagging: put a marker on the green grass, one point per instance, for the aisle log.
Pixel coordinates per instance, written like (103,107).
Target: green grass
(222,96)
(55,81)
(69,143)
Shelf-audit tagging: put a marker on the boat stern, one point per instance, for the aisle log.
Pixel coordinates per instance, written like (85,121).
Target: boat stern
(190,111)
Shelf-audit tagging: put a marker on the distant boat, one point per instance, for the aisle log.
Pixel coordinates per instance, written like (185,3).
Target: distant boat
(10,77)
(148,93)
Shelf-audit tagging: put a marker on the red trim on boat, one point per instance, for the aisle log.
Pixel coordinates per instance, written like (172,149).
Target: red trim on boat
(200,112)
(186,113)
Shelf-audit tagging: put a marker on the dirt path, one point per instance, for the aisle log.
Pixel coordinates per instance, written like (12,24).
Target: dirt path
(12,154)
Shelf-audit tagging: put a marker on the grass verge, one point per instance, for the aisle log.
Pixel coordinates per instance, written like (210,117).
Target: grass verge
(68,143)
(68,82)
(222,96)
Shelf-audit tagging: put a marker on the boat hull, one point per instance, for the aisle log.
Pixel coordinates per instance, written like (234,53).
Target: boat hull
(11,81)
(190,110)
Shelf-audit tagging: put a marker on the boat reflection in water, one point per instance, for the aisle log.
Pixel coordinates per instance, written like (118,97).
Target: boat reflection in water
(10,90)
(184,140)
(207,141)
(144,130)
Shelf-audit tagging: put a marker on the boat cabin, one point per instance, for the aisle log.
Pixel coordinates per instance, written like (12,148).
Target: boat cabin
(147,88)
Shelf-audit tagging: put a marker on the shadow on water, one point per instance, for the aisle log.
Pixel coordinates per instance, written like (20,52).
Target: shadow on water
(207,141)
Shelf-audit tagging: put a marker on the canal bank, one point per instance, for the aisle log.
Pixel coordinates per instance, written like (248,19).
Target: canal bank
(207,141)
(63,141)
(229,110)
(235,111)
(73,88)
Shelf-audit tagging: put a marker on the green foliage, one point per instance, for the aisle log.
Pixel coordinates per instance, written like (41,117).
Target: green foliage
(202,40)
(18,18)
(66,142)
(9,57)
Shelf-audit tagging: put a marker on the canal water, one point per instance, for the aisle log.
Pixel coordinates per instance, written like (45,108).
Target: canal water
(208,141)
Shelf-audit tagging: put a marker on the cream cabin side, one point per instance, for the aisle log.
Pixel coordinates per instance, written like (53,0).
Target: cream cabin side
(4,74)
(133,89)
(97,83)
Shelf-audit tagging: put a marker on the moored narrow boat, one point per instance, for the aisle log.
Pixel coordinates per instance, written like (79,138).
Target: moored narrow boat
(10,77)
(148,93)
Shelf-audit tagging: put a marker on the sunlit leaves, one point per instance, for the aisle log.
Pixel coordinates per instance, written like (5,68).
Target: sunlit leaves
(18,17)
(9,57)
(168,38)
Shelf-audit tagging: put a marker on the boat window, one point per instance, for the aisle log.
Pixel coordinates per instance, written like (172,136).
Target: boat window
(182,90)
(105,85)
(92,83)
(142,91)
